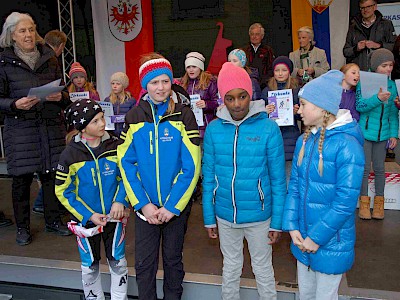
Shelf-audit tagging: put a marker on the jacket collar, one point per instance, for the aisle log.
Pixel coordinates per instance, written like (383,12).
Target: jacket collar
(255,108)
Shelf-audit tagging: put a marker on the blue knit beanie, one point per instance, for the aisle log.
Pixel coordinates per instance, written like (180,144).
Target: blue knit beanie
(241,55)
(324,91)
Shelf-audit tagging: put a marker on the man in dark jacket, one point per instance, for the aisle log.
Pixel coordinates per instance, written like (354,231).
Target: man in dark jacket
(368,31)
(259,55)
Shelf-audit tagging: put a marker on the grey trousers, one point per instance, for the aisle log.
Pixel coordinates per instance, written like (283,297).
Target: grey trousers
(316,285)
(375,152)
(231,244)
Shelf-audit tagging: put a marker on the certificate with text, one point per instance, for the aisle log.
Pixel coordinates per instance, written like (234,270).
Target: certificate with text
(283,107)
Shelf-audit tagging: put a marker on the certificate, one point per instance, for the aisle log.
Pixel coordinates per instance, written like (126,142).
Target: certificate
(371,83)
(108,114)
(198,112)
(283,105)
(43,91)
(78,96)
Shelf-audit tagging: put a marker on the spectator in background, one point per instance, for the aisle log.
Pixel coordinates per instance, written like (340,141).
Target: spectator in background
(34,133)
(368,31)
(259,55)
(78,76)
(309,62)
(56,39)
(198,81)
(121,100)
(238,58)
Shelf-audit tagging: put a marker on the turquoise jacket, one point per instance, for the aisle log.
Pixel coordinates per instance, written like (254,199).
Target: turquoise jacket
(160,156)
(379,121)
(244,169)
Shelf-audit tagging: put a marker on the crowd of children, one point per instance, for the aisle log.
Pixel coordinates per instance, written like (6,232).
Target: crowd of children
(152,161)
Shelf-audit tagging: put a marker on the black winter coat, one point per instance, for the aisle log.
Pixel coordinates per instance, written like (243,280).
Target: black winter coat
(382,32)
(35,138)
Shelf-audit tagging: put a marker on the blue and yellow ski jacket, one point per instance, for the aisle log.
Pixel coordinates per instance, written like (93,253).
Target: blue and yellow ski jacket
(88,180)
(160,156)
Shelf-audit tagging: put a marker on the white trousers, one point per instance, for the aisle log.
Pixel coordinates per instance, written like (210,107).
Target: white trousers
(316,285)
(231,244)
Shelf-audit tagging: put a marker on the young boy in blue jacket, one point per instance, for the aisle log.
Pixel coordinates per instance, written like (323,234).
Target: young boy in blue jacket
(244,184)
(89,185)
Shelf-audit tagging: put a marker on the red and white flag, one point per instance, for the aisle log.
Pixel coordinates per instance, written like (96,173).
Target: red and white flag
(123,31)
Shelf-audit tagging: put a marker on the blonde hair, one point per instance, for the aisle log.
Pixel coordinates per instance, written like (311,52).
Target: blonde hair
(204,80)
(124,96)
(309,31)
(154,55)
(70,135)
(291,83)
(327,116)
(89,87)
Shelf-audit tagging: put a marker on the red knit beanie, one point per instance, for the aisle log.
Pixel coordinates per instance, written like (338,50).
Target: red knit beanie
(76,70)
(233,77)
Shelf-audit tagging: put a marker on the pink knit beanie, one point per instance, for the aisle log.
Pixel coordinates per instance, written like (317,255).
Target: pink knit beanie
(232,77)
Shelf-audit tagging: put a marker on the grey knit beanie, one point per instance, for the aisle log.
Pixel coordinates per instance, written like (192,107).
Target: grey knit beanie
(379,57)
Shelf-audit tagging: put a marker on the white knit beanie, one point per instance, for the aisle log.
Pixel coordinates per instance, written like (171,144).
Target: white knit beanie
(195,59)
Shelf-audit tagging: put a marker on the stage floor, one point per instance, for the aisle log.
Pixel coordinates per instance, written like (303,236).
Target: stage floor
(377,266)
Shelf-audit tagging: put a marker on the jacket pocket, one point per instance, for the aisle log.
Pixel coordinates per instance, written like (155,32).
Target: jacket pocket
(151,141)
(261,193)
(215,189)
(94,176)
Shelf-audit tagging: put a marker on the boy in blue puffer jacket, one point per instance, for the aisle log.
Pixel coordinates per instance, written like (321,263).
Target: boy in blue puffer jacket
(244,183)
(324,186)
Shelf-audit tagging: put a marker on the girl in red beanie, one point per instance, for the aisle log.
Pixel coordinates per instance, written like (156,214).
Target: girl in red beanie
(78,77)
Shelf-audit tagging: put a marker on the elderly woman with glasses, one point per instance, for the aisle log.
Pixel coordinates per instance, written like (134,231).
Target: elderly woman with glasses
(368,31)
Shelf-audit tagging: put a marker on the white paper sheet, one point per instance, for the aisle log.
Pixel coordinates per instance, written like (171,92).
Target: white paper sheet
(371,83)
(108,113)
(43,91)
(198,112)
(284,106)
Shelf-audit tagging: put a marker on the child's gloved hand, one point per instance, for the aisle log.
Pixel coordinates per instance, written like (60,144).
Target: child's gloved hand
(117,211)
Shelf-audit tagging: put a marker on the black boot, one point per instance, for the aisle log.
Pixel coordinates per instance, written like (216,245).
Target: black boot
(58,228)
(4,222)
(23,236)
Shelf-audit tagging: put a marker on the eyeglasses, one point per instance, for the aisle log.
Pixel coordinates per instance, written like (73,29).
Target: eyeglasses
(366,7)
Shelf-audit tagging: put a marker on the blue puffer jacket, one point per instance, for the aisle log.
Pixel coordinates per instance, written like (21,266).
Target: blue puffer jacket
(322,208)
(379,121)
(243,169)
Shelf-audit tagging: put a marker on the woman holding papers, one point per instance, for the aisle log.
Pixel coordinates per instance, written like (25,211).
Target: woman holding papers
(34,128)
(379,122)
(282,80)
